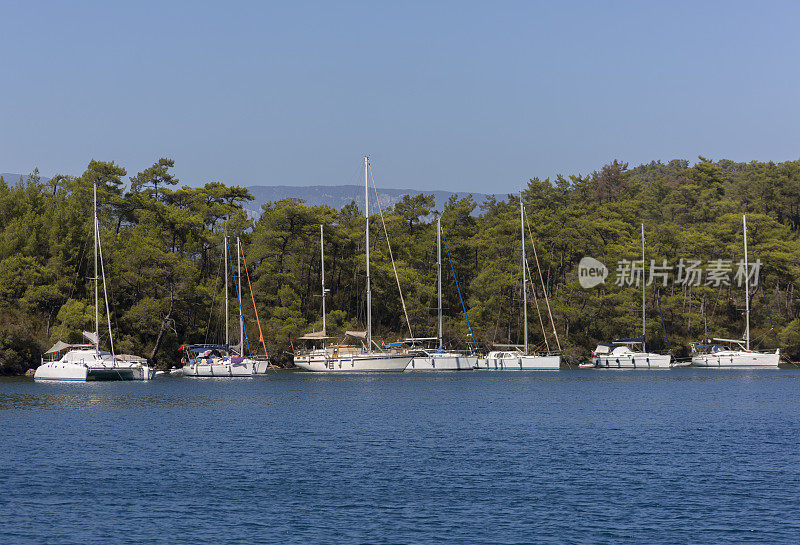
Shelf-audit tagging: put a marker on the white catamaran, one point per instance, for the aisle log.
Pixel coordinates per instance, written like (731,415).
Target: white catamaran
(631,353)
(515,359)
(348,358)
(440,359)
(735,353)
(86,362)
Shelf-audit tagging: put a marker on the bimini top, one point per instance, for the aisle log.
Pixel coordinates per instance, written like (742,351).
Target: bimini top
(60,345)
(630,340)
(197,348)
(314,336)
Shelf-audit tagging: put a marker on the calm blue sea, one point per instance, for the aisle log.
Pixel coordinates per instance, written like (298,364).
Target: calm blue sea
(590,456)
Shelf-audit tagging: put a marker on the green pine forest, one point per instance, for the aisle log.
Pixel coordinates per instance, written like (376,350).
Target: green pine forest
(162,247)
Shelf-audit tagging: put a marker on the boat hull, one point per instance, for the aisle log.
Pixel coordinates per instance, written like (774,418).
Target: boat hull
(635,360)
(354,364)
(441,363)
(738,360)
(520,363)
(222,370)
(82,373)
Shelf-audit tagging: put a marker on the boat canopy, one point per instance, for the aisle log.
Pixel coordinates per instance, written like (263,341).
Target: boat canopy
(735,341)
(315,336)
(629,340)
(196,348)
(61,345)
(129,357)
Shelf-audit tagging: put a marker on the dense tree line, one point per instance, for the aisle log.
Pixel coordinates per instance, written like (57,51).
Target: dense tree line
(162,245)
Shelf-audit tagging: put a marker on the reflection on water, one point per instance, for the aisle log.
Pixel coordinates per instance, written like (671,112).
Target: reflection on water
(87,400)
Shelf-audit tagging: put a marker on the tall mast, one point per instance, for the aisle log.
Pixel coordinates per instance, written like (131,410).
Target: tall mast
(524,280)
(226,289)
(96,287)
(439,271)
(239,294)
(643,321)
(322,272)
(366,215)
(746,287)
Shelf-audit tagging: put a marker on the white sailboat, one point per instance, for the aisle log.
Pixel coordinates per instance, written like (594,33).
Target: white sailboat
(440,359)
(514,359)
(349,358)
(631,353)
(219,360)
(86,362)
(734,353)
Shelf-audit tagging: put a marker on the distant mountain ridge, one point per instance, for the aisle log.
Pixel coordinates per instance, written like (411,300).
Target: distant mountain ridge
(11,178)
(335,196)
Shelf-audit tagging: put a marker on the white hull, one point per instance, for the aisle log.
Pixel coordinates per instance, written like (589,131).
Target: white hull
(633,360)
(354,364)
(448,362)
(72,372)
(260,367)
(221,369)
(738,359)
(520,363)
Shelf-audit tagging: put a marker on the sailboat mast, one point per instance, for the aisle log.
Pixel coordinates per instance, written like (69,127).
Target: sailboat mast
(439,271)
(524,279)
(366,215)
(226,288)
(239,294)
(746,287)
(322,273)
(644,349)
(96,286)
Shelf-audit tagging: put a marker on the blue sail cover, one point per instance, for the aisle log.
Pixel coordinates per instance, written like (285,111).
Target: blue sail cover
(196,348)
(629,340)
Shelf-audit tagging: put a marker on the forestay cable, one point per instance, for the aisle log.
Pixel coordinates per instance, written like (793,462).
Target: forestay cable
(541,278)
(388,244)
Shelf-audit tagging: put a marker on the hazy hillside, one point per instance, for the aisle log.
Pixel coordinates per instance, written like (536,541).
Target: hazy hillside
(12,178)
(339,195)
(335,196)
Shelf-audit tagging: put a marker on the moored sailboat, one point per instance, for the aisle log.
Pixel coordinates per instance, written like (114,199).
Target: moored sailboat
(353,358)
(222,360)
(733,353)
(86,362)
(631,353)
(519,358)
(440,359)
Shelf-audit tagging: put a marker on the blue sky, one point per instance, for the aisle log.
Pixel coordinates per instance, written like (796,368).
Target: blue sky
(461,96)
